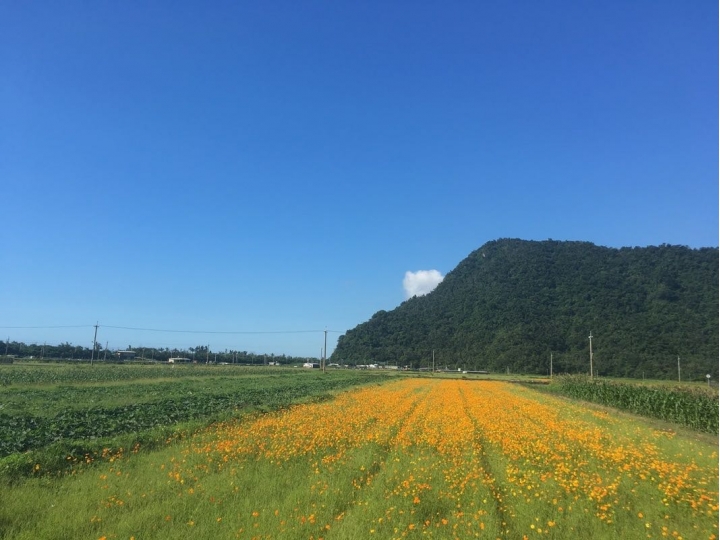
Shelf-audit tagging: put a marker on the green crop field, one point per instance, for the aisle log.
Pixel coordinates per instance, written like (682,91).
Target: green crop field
(55,415)
(693,406)
(135,452)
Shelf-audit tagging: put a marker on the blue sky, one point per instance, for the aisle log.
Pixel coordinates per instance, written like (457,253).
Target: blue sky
(280,166)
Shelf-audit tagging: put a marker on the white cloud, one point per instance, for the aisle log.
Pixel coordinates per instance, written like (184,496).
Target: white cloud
(421,282)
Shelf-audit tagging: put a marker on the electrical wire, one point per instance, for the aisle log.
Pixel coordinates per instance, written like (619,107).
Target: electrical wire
(65,326)
(175,331)
(210,331)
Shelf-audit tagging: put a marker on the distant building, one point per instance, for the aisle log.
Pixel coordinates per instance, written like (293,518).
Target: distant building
(311,365)
(180,361)
(125,355)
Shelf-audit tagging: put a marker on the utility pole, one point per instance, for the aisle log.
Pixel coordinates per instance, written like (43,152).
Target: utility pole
(105,355)
(92,356)
(591,356)
(678,369)
(207,354)
(551,365)
(324,352)
(433,365)
(6,345)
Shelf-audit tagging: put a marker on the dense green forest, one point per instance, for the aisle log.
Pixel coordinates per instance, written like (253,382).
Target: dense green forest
(512,303)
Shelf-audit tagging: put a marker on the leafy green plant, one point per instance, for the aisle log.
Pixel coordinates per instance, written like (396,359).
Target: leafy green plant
(101,405)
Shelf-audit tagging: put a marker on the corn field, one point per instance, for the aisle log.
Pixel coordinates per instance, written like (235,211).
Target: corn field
(692,408)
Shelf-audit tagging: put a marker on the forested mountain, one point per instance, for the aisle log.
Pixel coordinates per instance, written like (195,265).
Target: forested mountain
(512,303)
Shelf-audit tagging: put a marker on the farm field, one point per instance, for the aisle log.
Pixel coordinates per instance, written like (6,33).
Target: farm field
(694,406)
(409,458)
(53,416)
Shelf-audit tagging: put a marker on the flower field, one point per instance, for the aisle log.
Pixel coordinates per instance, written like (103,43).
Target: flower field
(413,458)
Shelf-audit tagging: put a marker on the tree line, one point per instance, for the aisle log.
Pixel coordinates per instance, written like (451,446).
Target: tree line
(199,354)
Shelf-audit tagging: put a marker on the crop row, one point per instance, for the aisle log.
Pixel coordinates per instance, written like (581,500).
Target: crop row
(22,432)
(99,373)
(48,400)
(693,409)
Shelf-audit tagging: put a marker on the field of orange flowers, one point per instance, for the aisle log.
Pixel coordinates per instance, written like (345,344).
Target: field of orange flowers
(416,458)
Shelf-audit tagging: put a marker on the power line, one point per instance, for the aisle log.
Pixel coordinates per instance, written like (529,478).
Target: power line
(42,327)
(248,332)
(211,331)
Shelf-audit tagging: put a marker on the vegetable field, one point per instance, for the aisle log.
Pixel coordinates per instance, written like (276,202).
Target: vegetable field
(409,458)
(49,373)
(54,416)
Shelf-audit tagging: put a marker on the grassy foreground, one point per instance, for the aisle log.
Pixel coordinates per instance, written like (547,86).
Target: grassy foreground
(408,459)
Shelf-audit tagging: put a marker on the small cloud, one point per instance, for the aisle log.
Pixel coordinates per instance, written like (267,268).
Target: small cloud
(421,282)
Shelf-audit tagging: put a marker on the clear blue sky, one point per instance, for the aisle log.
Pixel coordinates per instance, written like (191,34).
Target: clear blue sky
(279,166)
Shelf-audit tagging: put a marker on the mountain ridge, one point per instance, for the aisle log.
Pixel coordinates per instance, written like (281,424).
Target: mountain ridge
(511,303)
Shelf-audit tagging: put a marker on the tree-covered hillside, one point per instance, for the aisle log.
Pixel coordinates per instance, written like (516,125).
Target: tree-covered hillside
(512,303)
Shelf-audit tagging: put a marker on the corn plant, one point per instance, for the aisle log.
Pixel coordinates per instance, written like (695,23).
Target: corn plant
(691,408)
